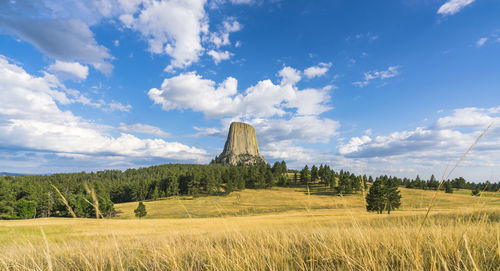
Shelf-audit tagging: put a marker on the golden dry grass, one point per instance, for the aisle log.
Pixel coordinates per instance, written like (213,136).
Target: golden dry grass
(278,200)
(298,231)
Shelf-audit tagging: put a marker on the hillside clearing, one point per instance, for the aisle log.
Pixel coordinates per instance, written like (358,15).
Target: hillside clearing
(288,228)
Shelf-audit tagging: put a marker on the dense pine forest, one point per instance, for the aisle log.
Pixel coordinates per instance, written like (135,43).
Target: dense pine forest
(84,194)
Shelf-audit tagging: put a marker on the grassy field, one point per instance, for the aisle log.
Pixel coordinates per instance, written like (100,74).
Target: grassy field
(275,229)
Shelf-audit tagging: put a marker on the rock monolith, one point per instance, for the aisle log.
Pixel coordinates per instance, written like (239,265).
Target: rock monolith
(241,146)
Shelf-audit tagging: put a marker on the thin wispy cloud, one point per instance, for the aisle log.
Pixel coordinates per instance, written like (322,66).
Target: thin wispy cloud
(453,6)
(392,71)
(481,42)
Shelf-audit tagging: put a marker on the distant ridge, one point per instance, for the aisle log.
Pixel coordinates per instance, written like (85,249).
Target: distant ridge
(11,174)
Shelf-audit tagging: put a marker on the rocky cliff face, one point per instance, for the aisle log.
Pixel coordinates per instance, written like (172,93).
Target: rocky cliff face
(241,146)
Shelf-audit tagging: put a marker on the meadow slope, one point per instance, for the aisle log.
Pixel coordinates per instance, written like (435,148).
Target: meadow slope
(275,229)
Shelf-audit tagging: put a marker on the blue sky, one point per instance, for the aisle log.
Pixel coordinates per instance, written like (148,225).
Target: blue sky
(380,87)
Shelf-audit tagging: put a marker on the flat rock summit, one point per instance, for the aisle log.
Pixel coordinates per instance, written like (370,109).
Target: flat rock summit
(241,146)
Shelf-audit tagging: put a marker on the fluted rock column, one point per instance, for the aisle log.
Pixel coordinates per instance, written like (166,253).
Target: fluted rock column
(241,146)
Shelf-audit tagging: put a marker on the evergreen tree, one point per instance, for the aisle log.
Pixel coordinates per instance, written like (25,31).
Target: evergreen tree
(155,194)
(269,178)
(173,187)
(314,173)
(277,169)
(433,183)
(344,186)
(304,175)
(25,208)
(283,167)
(141,210)
(476,191)
(393,197)
(448,188)
(384,195)
(375,198)
(370,179)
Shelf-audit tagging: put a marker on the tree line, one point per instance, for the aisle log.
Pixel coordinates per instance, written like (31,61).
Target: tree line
(62,195)
(94,194)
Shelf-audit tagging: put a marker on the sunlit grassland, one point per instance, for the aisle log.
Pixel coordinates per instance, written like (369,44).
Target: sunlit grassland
(272,229)
(277,200)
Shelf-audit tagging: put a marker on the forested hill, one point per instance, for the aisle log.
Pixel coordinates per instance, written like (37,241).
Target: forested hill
(43,195)
(84,194)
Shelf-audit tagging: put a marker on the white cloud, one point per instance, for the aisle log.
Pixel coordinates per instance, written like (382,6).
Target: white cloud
(289,76)
(392,71)
(265,99)
(295,156)
(61,29)
(62,39)
(221,38)
(361,84)
(481,42)
(242,1)
(213,4)
(354,144)
(116,43)
(453,6)
(31,119)
(219,56)
(429,149)
(297,128)
(191,91)
(117,106)
(171,27)
(231,25)
(316,71)
(406,143)
(143,129)
(71,70)
(470,117)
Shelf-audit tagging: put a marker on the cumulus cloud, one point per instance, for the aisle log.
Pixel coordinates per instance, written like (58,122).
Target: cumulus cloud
(143,129)
(265,99)
(449,136)
(171,27)
(295,156)
(470,117)
(31,119)
(316,71)
(453,6)
(218,56)
(61,29)
(297,128)
(191,91)
(392,71)
(70,70)
(221,37)
(62,39)
(289,76)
